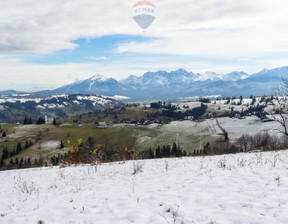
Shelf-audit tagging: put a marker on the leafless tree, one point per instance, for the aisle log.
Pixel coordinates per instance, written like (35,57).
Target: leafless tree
(280,106)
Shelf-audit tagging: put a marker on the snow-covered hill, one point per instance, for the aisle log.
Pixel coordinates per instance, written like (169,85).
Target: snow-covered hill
(53,106)
(240,188)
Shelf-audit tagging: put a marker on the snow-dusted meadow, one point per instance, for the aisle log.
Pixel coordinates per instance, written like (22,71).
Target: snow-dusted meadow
(240,188)
(236,127)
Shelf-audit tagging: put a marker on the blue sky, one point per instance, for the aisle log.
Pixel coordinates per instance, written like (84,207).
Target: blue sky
(46,45)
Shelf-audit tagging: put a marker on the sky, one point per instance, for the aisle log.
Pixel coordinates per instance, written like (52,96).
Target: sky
(47,44)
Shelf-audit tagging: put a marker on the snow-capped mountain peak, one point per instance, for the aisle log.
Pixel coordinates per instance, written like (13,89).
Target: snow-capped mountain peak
(98,77)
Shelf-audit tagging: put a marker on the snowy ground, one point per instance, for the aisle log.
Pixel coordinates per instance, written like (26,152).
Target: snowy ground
(237,127)
(242,188)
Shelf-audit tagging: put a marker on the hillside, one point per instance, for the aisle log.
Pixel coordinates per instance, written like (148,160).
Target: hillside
(239,188)
(141,128)
(19,106)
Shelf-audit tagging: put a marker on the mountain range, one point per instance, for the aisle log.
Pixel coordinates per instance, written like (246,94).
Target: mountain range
(179,83)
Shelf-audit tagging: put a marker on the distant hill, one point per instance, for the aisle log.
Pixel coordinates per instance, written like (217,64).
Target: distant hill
(62,106)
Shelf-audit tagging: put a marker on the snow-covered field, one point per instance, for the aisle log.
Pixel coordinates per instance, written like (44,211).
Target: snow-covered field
(241,188)
(237,127)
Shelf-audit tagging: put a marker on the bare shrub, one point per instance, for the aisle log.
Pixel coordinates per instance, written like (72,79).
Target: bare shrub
(166,166)
(26,187)
(245,143)
(137,167)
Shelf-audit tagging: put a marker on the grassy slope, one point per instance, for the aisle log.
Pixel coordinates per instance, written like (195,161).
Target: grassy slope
(189,135)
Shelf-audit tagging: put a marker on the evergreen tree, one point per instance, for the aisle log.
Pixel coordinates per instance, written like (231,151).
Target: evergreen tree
(157,155)
(40,162)
(54,161)
(26,144)
(168,150)
(54,121)
(11,162)
(29,163)
(35,164)
(12,153)
(164,152)
(151,154)
(18,148)
(21,163)
(175,149)
(4,134)
(2,163)
(40,120)
(226,138)
(241,100)
(26,120)
(5,153)
(253,100)
(61,144)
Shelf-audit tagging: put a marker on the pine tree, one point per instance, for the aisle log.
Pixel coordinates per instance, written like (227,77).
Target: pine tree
(30,143)
(21,163)
(5,153)
(4,134)
(241,100)
(40,120)
(26,120)
(168,150)
(151,154)
(18,148)
(175,149)
(253,100)
(29,162)
(40,162)
(164,152)
(35,164)
(2,163)
(61,144)
(54,121)
(26,144)
(12,153)
(11,162)
(157,155)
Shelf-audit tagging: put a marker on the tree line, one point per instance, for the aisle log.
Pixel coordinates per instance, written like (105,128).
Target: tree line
(90,152)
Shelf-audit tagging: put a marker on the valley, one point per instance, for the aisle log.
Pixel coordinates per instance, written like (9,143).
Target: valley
(140,127)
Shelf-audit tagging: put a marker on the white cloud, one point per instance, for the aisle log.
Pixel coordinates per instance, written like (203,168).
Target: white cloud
(184,26)
(217,29)
(210,29)
(103,58)
(45,27)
